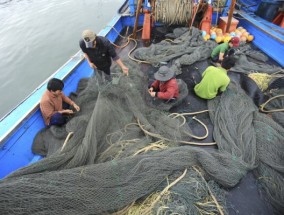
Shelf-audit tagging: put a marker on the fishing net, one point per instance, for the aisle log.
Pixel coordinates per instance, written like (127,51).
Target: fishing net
(186,47)
(270,170)
(250,60)
(275,104)
(42,145)
(257,140)
(121,154)
(178,199)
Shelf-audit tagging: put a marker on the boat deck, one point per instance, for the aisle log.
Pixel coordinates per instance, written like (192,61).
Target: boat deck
(245,198)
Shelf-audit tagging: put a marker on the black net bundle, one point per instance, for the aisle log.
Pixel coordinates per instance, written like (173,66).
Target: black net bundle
(250,60)
(184,48)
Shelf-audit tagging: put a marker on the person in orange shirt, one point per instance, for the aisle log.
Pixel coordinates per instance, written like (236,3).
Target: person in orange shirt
(51,104)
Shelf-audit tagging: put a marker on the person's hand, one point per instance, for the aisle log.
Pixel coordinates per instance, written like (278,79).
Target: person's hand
(67,111)
(125,70)
(77,108)
(92,65)
(152,94)
(150,90)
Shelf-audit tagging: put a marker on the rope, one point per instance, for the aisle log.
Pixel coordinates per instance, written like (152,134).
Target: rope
(164,191)
(194,118)
(138,61)
(270,111)
(180,141)
(173,11)
(127,43)
(67,139)
(213,197)
(155,146)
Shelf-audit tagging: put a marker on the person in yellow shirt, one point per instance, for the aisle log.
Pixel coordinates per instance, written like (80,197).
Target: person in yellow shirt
(214,79)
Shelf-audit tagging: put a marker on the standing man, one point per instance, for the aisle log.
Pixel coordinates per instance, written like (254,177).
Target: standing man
(99,51)
(165,86)
(214,79)
(222,50)
(51,104)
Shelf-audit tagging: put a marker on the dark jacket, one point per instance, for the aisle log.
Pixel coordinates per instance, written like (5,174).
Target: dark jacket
(100,55)
(166,90)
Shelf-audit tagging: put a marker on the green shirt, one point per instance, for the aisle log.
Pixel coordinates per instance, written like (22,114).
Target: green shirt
(214,79)
(220,49)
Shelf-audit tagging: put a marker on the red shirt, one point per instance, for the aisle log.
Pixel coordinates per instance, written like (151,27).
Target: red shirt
(51,104)
(166,90)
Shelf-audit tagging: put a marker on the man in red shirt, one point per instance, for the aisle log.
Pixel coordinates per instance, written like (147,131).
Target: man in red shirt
(165,86)
(51,104)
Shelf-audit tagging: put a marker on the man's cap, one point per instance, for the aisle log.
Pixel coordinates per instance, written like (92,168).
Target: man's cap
(89,37)
(164,74)
(235,41)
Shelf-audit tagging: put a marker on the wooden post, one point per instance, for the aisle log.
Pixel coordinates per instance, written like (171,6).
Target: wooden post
(194,12)
(137,18)
(230,15)
(153,3)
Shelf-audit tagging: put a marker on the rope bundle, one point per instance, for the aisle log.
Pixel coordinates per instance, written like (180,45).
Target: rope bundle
(173,11)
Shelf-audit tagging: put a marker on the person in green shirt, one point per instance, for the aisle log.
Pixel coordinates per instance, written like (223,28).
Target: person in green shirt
(220,51)
(214,79)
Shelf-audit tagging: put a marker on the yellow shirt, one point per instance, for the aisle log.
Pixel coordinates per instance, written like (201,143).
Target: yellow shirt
(214,79)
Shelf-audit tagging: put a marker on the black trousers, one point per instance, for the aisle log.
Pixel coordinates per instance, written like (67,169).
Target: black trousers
(103,73)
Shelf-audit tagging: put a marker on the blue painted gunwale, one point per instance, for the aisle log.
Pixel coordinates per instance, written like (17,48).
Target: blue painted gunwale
(267,37)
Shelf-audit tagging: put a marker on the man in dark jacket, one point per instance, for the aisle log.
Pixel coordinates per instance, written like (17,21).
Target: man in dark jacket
(165,86)
(99,51)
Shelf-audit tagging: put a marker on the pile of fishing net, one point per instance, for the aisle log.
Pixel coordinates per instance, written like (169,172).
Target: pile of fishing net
(250,60)
(184,48)
(122,155)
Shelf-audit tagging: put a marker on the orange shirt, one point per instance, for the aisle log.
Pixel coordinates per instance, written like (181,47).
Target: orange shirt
(51,104)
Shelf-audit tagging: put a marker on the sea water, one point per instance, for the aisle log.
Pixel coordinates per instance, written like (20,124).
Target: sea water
(39,36)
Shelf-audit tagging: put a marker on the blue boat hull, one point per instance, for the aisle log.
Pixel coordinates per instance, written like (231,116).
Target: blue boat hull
(267,37)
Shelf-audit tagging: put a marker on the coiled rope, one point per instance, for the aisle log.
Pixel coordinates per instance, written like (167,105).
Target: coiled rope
(166,139)
(173,11)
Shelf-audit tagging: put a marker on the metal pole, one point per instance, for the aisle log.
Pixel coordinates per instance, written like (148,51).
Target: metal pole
(230,15)
(137,18)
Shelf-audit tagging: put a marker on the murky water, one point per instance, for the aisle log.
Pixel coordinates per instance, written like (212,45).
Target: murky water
(39,36)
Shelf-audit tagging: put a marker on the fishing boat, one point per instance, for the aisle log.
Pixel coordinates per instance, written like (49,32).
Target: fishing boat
(142,25)
(264,20)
